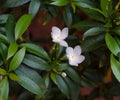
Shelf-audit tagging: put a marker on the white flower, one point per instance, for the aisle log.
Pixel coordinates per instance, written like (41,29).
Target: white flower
(58,36)
(74,55)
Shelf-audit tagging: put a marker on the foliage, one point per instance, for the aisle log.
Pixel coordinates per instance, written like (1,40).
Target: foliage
(27,66)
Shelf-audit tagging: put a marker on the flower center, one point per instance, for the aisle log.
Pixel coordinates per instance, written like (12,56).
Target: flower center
(58,37)
(72,56)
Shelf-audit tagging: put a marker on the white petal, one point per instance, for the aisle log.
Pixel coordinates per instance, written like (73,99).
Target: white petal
(73,63)
(64,33)
(55,31)
(81,59)
(77,50)
(63,43)
(69,50)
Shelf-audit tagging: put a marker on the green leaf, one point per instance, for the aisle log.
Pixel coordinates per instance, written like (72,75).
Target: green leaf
(74,89)
(30,80)
(86,24)
(12,50)
(60,2)
(47,80)
(112,44)
(73,75)
(2,71)
(61,84)
(14,77)
(13,3)
(93,31)
(62,66)
(53,78)
(17,59)
(67,16)
(3,39)
(22,25)
(92,43)
(4,89)
(115,65)
(106,6)
(35,49)
(3,18)
(36,62)
(10,26)
(3,50)
(34,7)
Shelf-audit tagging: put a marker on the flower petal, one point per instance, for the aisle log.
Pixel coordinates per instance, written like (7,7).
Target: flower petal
(64,33)
(81,59)
(69,50)
(77,50)
(63,43)
(73,63)
(55,31)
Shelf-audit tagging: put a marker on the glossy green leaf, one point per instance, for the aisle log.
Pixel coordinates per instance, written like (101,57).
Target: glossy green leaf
(86,24)
(94,13)
(115,65)
(35,49)
(112,44)
(13,3)
(30,80)
(10,26)
(74,89)
(4,89)
(17,59)
(3,38)
(36,62)
(3,50)
(62,85)
(93,31)
(73,75)
(67,16)
(2,71)
(92,43)
(60,2)
(3,18)
(103,4)
(12,50)
(62,66)
(34,7)
(53,78)
(22,25)
(14,77)
(47,80)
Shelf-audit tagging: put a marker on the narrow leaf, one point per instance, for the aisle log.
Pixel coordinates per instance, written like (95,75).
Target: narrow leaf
(35,49)
(4,89)
(62,85)
(22,25)
(93,31)
(73,75)
(34,7)
(60,2)
(13,3)
(14,77)
(67,16)
(36,62)
(115,65)
(2,71)
(17,59)
(10,26)
(12,50)
(30,80)
(112,44)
